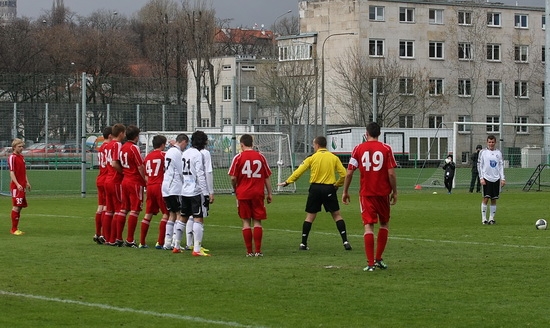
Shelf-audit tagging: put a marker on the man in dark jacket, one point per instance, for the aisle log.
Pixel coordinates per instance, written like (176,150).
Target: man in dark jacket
(475,173)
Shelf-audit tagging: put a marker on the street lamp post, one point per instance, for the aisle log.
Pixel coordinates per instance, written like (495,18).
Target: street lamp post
(323,109)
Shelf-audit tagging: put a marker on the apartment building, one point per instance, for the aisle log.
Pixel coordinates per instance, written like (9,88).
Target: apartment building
(429,64)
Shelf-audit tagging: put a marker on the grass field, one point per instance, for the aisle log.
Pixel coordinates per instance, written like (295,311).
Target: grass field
(445,268)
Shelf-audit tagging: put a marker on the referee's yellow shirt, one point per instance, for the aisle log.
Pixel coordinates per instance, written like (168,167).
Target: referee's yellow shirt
(323,164)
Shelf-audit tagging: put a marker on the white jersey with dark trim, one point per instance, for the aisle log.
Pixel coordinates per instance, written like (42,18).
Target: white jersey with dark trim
(173,168)
(194,176)
(490,165)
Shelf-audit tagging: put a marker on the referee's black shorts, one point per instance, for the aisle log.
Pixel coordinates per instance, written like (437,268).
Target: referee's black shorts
(322,194)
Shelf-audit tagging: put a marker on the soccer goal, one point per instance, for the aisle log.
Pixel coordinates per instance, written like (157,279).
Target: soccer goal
(4,178)
(273,145)
(523,151)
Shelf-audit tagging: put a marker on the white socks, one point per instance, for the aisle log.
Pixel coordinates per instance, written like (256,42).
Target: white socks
(198,231)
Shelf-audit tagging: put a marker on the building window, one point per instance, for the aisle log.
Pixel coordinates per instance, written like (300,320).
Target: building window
(406,86)
(464,51)
(300,51)
(522,128)
(248,67)
(406,15)
(205,123)
(492,123)
(280,120)
(464,18)
(249,94)
(376,13)
(493,52)
(205,91)
(406,49)
(263,121)
(464,88)
(542,89)
(379,85)
(406,121)
(226,90)
(436,87)
(435,50)
(543,53)
(521,21)
(521,54)
(520,89)
(493,19)
(376,48)
(543,22)
(435,121)
(226,67)
(435,16)
(493,88)
(464,128)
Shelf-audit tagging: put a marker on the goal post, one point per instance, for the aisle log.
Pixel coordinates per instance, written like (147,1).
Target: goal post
(520,143)
(274,146)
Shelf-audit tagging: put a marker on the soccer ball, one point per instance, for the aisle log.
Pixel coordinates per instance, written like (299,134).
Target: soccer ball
(541,224)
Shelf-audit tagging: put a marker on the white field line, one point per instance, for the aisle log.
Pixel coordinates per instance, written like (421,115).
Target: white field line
(129,310)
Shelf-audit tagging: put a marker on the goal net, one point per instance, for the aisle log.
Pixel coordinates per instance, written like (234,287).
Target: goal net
(274,146)
(520,143)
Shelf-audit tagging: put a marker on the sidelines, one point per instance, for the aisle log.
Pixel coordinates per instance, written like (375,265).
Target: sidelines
(130,310)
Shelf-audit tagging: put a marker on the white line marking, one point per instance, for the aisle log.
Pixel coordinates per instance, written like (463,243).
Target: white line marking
(119,309)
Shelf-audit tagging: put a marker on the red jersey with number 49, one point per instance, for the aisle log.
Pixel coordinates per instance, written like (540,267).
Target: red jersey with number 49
(251,169)
(374,159)
(154,167)
(130,160)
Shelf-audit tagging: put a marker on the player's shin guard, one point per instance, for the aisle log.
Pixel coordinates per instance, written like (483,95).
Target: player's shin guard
(381,242)
(144,228)
(247,237)
(341,226)
(258,235)
(98,218)
(14,220)
(168,235)
(369,247)
(132,224)
(107,224)
(198,232)
(306,228)
(162,231)
(189,233)
(179,227)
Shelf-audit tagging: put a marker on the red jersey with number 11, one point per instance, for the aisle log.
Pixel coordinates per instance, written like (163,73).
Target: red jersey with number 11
(374,159)
(251,169)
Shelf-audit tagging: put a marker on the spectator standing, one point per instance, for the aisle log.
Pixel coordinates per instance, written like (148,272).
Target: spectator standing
(475,173)
(449,167)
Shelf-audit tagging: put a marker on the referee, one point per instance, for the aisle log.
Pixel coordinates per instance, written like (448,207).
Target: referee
(322,190)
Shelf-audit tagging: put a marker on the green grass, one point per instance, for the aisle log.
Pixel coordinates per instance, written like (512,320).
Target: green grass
(445,268)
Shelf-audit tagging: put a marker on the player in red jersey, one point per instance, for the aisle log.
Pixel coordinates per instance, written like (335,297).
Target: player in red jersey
(19,184)
(112,183)
(133,182)
(154,174)
(378,189)
(100,184)
(250,173)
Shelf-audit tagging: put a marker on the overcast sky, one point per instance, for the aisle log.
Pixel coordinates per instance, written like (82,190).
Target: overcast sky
(245,13)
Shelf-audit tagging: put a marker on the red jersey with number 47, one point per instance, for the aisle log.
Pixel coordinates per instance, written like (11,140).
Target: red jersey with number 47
(154,167)
(373,159)
(251,169)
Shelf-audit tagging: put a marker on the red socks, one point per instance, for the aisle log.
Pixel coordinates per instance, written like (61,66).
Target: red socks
(132,224)
(381,242)
(369,247)
(14,220)
(162,231)
(258,234)
(247,236)
(98,219)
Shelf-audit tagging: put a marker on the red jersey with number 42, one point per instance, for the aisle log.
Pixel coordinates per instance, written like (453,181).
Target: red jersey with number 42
(251,169)
(154,167)
(374,159)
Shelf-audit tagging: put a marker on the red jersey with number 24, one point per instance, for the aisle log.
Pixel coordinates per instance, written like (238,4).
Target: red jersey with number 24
(373,159)
(251,169)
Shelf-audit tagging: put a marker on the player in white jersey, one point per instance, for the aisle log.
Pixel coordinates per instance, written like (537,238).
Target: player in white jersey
(172,184)
(208,170)
(491,175)
(195,192)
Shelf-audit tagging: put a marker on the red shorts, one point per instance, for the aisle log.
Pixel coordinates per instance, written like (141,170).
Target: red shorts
(155,202)
(112,197)
(252,209)
(374,208)
(18,198)
(132,196)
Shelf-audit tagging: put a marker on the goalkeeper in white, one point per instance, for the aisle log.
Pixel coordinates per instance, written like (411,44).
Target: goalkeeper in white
(491,176)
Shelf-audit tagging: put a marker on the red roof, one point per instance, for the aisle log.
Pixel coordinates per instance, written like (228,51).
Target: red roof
(241,36)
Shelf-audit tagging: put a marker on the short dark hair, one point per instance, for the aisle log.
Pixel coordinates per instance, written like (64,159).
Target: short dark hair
(246,139)
(132,132)
(107,132)
(158,141)
(479,147)
(182,137)
(373,130)
(199,139)
(491,137)
(321,141)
